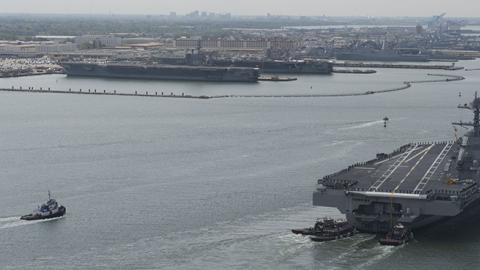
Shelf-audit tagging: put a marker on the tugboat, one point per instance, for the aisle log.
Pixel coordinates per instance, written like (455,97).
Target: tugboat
(50,209)
(333,230)
(399,235)
(316,229)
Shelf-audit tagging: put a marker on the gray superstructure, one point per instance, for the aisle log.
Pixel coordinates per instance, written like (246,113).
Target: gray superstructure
(418,184)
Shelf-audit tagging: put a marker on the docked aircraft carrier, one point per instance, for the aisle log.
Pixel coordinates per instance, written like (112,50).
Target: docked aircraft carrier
(416,185)
(161,72)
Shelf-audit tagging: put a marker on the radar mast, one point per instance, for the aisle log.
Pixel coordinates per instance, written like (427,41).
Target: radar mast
(475,107)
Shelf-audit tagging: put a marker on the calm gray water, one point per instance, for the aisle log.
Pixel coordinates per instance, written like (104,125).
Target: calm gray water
(153,183)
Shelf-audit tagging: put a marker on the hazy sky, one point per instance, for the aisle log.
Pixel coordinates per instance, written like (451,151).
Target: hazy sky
(468,8)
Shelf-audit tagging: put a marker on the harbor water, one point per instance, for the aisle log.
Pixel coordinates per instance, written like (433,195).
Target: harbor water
(212,184)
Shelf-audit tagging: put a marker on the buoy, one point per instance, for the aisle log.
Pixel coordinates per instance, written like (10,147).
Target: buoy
(385,120)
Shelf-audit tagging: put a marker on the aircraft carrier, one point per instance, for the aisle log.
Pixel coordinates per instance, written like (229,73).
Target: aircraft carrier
(161,72)
(416,185)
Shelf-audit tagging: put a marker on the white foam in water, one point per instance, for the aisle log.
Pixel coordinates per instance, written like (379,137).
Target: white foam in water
(8,219)
(353,248)
(384,251)
(12,222)
(364,125)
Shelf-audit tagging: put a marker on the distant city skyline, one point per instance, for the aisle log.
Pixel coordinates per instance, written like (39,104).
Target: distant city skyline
(424,8)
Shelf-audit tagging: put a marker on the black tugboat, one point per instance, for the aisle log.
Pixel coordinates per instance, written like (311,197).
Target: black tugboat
(332,230)
(316,229)
(399,235)
(327,229)
(50,209)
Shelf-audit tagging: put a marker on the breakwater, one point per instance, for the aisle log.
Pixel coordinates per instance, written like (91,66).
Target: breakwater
(390,65)
(406,85)
(154,94)
(157,94)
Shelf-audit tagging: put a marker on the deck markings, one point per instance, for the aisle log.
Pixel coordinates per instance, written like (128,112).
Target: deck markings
(385,160)
(393,168)
(425,152)
(364,168)
(418,154)
(433,168)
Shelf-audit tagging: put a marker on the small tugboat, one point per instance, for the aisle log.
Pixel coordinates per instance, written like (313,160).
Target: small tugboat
(332,230)
(399,235)
(316,229)
(50,209)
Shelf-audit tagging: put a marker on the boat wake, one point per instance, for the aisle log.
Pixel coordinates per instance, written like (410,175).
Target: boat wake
(12,222)
(254,242)
(363,125)
(380,252)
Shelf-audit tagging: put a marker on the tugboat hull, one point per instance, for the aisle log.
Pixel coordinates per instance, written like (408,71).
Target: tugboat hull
(395,242)
(306,231)
(391,242)
(61,211)
(325,238)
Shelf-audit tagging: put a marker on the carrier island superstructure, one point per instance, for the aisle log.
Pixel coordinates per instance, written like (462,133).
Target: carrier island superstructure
(416,185)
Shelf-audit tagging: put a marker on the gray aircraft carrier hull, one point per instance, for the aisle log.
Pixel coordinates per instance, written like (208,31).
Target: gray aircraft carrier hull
(162,72)
(416,185)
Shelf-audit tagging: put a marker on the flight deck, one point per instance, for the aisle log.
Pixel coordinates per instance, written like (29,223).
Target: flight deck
(414,168)
(416,185)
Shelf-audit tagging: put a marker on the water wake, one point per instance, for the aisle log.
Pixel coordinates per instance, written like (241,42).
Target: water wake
(364,125)
(381,252)
(12,222)
(256,242)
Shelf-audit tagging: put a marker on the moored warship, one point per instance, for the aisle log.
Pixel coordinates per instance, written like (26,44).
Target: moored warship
(162,72)
(416,185)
